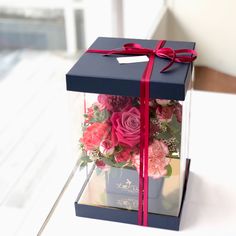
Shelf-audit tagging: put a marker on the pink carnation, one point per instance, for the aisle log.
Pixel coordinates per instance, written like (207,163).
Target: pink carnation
(164,114)
(94,135)
(126,126)
(115,103)
(157,161)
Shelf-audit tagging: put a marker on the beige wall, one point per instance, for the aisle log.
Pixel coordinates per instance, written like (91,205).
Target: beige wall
(210,23)
(139,17)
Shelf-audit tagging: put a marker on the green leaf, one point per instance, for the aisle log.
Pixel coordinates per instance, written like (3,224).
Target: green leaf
(164,135)
(108,161)
(84,160)
(169,170)
(84,126)
(98,171)
(118,148)
(174,128)
(104,114)
(82,165)
(174,125)
(95,108)
(120,164)
(93,120)
(84,157)
(100,116)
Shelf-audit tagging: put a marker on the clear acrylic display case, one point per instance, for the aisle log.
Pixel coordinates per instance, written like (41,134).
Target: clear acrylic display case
(111,130)
(110,146)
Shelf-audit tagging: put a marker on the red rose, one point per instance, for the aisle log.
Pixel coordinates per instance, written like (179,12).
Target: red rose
(123,156)
(115,103)
(164,113)
(126,126)
(178,112)
(94,135)
(102,165)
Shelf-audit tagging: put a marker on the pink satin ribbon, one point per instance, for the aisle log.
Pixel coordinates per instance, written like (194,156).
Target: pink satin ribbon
(179,55)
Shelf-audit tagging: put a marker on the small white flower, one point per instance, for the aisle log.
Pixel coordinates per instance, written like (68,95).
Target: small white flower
(163,102)
(106,148)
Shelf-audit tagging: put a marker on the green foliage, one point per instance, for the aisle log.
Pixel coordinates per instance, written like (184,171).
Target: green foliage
(84,126)
(118,148)
(175,129)
(82,165)
(164,135)
(171,135)
(84,160)
(108,161)
(99,116)
(111,162)
(169,170)
(120,164)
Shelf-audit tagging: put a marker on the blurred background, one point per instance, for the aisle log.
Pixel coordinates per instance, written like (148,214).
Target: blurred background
(39,42)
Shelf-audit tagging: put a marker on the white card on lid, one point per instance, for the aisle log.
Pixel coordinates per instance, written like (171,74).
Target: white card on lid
(132,59)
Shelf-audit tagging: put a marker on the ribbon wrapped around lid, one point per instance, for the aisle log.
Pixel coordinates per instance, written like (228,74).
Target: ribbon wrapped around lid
(179,56)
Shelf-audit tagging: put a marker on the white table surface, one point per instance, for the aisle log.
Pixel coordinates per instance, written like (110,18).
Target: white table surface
(210,205)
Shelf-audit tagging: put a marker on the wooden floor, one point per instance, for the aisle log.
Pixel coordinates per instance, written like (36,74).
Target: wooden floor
(207,79)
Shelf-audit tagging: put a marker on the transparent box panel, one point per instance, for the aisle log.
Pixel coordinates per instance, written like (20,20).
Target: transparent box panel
(110,144)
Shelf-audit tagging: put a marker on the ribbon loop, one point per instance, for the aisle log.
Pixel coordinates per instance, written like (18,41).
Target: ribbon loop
(130,46)
(179,55)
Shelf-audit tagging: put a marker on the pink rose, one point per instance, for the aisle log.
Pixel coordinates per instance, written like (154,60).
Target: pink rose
(106,147)
(163,102)
(157,161)
(115,103)
(178,112)
(164,114)
(94,135)
(126,126)
(123,156)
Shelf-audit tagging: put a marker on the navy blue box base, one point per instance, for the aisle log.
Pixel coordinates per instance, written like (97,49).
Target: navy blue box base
(130,216)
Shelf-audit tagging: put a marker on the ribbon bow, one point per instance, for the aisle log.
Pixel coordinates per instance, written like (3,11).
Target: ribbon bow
(180,56)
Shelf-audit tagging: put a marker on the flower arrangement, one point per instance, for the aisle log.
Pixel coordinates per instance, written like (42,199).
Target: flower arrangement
(111,134)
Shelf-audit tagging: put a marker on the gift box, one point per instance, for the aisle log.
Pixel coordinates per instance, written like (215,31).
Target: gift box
(136,98)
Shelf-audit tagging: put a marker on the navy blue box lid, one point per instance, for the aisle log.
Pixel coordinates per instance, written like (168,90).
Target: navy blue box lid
(96,73)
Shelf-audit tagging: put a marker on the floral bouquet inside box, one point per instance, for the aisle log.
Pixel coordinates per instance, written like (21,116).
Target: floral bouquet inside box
(111,137)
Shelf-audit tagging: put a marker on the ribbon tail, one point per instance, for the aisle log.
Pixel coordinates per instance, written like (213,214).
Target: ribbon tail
(171,62)
(144,142)
(144,139)
(141,180)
